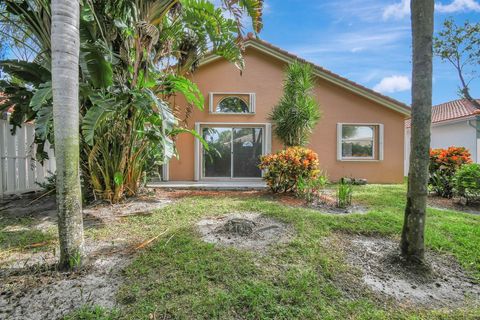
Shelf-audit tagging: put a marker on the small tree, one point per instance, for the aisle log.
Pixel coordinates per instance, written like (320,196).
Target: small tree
(297,113)
(460,45)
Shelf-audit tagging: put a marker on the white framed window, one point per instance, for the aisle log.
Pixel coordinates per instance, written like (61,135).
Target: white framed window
(359,141)
(231,103)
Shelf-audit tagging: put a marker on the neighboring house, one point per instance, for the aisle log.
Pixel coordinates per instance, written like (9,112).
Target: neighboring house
(359,135)
(455,123)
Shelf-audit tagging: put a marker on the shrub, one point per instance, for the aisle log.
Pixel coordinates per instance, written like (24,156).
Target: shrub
(467,182)
(285,168)
(344,194)
(309,188)
(443,165)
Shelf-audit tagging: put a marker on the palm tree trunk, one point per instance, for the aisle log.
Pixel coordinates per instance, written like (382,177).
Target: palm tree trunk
(65,59)
(412,243)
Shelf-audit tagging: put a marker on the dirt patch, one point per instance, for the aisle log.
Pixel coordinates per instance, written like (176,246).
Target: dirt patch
(245,230)
(443,284)
(142,205)
(437,202)
(31,288)
(42,209)
(38,291)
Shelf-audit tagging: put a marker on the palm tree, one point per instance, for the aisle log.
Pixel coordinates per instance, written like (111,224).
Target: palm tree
(412,243)
(65,40)
(297,113)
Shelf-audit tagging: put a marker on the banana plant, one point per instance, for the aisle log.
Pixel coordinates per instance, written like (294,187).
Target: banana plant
(127,78)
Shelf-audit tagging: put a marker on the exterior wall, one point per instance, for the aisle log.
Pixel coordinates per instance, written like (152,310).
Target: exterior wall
(264,76)
(458,134)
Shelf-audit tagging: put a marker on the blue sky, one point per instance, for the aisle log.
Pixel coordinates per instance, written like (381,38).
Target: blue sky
(367,41)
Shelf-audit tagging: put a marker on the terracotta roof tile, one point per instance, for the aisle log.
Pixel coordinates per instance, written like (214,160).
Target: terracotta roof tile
(451,110)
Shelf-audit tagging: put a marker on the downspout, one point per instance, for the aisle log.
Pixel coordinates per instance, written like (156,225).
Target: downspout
(476,126)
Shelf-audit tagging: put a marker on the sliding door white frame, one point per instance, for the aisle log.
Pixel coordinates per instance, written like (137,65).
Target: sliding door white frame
(198,161)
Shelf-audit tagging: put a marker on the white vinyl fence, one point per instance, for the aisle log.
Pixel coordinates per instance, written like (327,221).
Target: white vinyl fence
(18,169)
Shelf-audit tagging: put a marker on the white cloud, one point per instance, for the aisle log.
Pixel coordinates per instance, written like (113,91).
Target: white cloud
(401,9)
(397,10)
(458,6)
(393,84)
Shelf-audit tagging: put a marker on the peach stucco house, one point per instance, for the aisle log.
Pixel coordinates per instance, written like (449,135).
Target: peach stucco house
(361,133)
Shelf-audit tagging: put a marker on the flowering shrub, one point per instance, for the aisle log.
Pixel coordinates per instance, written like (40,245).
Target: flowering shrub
(467,182)
(443,165)
(285,168)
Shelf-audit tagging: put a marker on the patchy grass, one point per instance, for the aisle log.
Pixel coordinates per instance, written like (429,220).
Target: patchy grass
(181,277)
(92,313)
(19,234)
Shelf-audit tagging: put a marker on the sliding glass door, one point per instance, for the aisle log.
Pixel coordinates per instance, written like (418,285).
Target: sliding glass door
(233,152)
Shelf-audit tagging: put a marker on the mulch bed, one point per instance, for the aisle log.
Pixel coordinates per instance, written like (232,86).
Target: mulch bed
(437,202)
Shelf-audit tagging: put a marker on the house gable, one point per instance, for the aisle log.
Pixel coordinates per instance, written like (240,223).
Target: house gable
(286,57)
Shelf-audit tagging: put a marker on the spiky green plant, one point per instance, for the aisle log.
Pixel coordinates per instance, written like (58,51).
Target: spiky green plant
(344,194)
(297,113)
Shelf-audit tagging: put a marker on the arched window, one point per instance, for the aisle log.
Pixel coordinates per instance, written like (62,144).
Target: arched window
(232,105)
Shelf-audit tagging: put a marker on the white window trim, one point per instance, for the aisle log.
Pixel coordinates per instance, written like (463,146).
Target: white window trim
(251,103)
(362,159)
(267,145)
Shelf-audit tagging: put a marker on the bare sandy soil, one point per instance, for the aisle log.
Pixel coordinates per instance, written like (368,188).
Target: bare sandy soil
(442,283)
(259,233)
(41,292)
(31,287)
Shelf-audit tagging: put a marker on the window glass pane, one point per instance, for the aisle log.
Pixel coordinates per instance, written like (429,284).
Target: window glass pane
(357,141)
(217,160)
(247,149)
(232,104)
(352,132)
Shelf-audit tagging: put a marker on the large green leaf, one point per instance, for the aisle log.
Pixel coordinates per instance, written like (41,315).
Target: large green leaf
(194,133)
(44,122)
(168,119)
(96,69)
(25,71)
(179,84)
(102,107)
(41,96)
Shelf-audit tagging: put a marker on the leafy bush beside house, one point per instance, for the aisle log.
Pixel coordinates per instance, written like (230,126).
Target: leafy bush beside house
(467,182)
(286,168)
(443,165)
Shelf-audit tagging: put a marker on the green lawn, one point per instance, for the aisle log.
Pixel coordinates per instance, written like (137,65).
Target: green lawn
(181,277)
